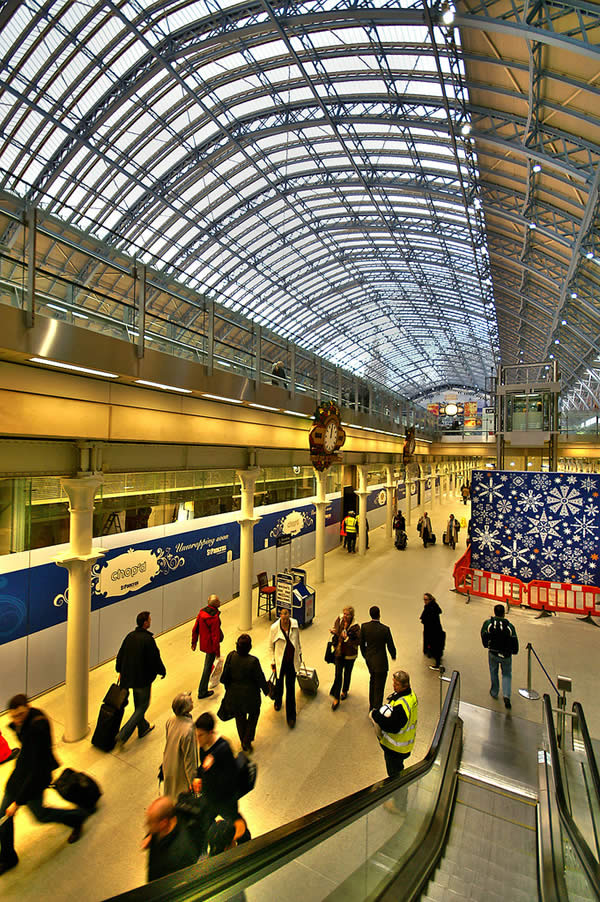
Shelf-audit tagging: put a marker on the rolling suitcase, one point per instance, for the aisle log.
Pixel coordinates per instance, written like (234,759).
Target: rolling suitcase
(401,541)
(109,718)
(78,788)
(308,680)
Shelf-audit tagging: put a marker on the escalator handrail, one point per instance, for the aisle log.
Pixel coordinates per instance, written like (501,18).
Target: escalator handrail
(582,850)
(589,748)
(216,875)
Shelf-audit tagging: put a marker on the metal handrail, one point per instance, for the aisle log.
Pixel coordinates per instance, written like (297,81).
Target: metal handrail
(252,860)
(582,850)
(580,724)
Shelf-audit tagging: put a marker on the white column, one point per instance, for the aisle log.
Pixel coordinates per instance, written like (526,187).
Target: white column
(78,561)
(320,504)
(407,488)
(363,478)
(247,479)
(389,510)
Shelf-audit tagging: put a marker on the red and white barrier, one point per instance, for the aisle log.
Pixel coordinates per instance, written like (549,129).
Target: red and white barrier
(567,598)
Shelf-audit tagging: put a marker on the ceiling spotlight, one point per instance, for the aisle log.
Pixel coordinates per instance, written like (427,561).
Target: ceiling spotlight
(537,167)
(573,294)
(532,226)
(590,255)
(563,322)
(557,341)
(465,129)
(447,13)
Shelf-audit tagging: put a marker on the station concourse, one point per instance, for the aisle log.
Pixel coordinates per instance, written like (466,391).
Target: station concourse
(329,754)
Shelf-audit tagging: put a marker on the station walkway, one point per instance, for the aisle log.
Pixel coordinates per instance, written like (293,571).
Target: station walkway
(329,754)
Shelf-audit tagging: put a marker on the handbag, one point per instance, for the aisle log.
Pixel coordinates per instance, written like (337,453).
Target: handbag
(330,651)
(215,674)
(224,712)
(272,686)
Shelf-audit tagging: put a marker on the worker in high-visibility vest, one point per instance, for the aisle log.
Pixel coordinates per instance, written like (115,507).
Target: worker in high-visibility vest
(351,526)
(396,724)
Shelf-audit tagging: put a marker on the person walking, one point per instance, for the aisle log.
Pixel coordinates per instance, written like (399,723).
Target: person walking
(286,654)
(217,771)
(170,847)
(32,774)
(397,723)
(351,526)
(375,638)
(465,492)
(138,664)
(452,530)
(434,637)
(425,529)
(208,633)
(499,636)
(399,527)
(179,756)
(279,372)
(244,680)
(346,635)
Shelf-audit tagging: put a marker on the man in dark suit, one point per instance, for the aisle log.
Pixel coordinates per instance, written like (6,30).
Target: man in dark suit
(138,664)
(31,776)
(375,637)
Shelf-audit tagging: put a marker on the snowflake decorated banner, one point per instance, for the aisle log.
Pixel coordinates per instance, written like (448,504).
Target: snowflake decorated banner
(537,525)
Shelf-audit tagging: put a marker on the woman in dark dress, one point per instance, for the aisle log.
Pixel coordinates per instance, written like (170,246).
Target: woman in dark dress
(434,637)
(243,679)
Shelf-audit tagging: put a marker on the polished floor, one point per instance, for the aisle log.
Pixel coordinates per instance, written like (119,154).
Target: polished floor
(329,754)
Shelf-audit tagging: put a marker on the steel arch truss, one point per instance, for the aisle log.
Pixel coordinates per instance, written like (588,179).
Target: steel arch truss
(392,193)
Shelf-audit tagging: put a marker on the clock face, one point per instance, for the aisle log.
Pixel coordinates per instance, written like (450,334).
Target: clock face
(330,436)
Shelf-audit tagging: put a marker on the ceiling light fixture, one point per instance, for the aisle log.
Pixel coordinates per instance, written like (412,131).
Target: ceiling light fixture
(295,413)
(590,255)
(184,391)
(465,129)
(574,295)
(262,406)
(532,226)
(537,167)
(447,13)
(221,398)
(71,366)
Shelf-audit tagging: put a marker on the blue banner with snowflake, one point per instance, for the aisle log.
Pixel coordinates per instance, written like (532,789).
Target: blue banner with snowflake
(537,525)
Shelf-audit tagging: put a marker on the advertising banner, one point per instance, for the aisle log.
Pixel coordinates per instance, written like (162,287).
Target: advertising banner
(427,491)
(376,498)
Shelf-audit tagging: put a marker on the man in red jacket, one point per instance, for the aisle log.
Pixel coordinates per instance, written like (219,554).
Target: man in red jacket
(207,630)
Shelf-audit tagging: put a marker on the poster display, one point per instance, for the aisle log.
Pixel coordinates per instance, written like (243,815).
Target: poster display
(537,525)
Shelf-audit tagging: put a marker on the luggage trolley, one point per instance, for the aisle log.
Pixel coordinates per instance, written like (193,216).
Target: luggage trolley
(294,594)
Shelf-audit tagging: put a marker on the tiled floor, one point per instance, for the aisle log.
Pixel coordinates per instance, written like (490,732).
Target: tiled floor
(329,754)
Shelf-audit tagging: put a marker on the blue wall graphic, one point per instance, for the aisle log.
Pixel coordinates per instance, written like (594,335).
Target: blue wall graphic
(537,525)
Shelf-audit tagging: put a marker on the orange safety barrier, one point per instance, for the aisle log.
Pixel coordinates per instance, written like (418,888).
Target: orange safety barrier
(567,598)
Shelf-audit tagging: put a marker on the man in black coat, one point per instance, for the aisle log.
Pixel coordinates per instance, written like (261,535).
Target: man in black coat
(138,664)
(31,776)
(375,637)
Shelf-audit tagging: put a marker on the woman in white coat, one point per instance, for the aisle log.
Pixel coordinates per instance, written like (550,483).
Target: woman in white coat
(179,757)
(286,654)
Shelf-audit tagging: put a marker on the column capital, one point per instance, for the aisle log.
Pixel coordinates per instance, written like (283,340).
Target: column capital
(248,477)
(248,521)
(81,490)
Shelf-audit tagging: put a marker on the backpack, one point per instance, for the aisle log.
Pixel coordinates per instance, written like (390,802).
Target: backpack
(500,639)
(246,774)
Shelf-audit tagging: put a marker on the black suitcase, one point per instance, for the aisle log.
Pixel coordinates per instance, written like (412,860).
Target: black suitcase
(401,541)
(432,538)
(78,788)
(109,718)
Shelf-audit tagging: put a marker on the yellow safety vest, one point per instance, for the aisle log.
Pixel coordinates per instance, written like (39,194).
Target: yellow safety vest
(404,741)
(351,524)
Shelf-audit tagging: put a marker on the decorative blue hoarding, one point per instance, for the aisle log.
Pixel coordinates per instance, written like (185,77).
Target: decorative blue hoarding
(376,499)
(537,525)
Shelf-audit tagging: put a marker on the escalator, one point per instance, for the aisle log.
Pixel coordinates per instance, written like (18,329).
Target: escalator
(464,834)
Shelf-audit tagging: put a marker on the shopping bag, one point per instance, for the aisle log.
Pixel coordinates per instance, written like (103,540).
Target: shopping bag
(215,674)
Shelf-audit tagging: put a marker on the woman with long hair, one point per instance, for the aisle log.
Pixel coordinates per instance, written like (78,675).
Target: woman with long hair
(346,635)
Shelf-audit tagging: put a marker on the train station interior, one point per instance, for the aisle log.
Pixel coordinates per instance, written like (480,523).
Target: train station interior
(264,267)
